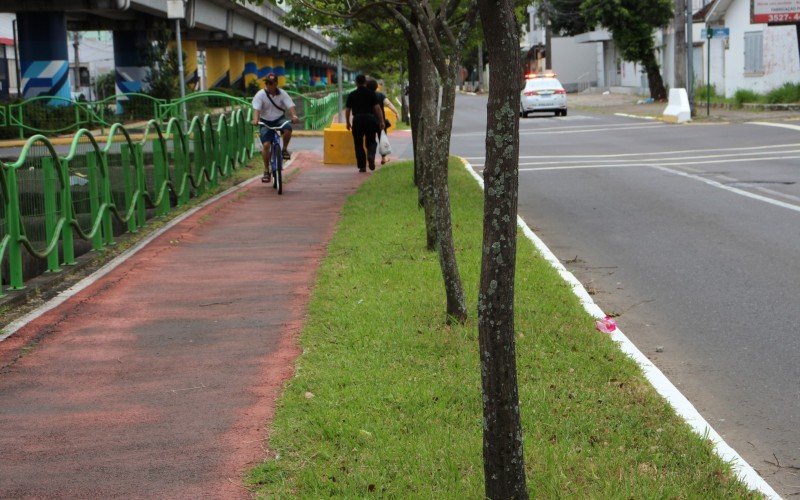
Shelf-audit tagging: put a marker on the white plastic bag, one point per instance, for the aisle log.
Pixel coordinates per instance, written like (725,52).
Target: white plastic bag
(384,148)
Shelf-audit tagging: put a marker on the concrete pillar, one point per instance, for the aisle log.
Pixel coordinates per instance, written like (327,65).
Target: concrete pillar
(289,70)
(315,76)
(264,67)
(190,72)
(279,68)
(250,69)
(130,68)
(218,67)
(236,58)
(328,78)
(43,53)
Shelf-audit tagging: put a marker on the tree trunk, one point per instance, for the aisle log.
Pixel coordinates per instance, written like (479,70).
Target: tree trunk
(657,90)
(679,25)
(424,159)
(414,86)
(503,459)
(454,289)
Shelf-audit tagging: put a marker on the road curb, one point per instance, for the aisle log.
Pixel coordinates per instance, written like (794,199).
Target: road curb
(682,406)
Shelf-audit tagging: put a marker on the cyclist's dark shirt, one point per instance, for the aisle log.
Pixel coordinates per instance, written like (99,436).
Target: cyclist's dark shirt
(362,101)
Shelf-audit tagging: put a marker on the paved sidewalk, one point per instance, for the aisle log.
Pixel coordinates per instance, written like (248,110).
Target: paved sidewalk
(158,379)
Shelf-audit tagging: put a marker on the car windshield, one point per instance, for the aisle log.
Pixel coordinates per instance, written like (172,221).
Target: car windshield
(542,83)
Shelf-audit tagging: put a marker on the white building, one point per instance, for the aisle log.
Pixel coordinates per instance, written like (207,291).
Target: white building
(755,57)
(573,62)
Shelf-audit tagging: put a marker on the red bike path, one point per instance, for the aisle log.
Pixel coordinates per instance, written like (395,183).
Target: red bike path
(159,379)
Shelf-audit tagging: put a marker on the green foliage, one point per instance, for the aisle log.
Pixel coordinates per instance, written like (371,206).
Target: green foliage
(163,79)
(564,16)
(106,85)
(788,92)
(630,21)
(252,88)
(743,95)
(703,92)
(386,399)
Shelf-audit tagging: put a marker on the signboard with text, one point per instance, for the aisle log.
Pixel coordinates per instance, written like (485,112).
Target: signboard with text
(715,33)
(775,11)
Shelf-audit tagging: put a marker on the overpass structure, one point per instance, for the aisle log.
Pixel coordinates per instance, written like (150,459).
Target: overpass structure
(241,43)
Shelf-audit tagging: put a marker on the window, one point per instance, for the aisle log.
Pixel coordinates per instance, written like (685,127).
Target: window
(754,52)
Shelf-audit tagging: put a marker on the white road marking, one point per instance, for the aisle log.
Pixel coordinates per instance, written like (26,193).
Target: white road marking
(568,128)
(658,153)
(626,115)
(779,125)
(683,407)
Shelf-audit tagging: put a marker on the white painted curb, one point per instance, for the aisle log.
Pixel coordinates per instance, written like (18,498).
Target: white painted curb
(657,379)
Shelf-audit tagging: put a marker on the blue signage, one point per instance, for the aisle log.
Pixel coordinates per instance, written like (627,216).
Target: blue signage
(715,33)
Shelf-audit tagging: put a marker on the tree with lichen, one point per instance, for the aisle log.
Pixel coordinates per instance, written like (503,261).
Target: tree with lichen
(504,466)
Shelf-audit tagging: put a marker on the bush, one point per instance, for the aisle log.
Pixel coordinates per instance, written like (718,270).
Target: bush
(744,95)
(702,92)
(789,92)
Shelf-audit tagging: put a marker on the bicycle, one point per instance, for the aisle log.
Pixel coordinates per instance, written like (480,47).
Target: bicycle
(276,155)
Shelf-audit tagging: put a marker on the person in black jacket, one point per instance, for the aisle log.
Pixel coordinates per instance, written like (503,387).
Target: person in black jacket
(367,121)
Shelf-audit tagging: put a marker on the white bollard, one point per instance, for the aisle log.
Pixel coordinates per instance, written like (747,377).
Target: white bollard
(678,110)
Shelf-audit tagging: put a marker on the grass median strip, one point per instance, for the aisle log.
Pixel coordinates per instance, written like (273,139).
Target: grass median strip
(387,399)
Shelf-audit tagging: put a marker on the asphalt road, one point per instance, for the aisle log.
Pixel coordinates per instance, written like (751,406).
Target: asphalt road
(692,234)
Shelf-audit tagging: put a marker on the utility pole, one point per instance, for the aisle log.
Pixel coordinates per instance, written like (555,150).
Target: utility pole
(340,87)
(76,41)
(16,58)
(690,56)
(480,65)
(176,9)
(679,29)
(548,46)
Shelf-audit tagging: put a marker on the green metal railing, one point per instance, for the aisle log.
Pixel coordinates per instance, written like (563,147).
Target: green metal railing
(53,115)
(99,191)
(49,115)
(317,112)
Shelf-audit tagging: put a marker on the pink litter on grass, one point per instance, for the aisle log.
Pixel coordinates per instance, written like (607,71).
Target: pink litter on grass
(606,325)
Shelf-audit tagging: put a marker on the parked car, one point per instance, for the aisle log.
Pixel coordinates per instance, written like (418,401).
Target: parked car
(543,92)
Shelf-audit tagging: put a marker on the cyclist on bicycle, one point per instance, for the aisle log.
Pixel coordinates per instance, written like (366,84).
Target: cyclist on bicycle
(270,106)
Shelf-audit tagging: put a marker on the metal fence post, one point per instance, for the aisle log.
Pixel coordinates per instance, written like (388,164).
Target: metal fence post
(50,208)
(67,239)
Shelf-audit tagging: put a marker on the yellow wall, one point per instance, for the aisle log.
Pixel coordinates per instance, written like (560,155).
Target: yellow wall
(236,58)
(217,68)
(250,67)
(279,67)
(189,62)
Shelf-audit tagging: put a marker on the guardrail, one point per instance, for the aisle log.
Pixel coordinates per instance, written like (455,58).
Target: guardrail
(316,111)
(98,193)
(48,115)
(54,115)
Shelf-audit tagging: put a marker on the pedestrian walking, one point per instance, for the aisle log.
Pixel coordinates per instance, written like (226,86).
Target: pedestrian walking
(384,101)
(367,121)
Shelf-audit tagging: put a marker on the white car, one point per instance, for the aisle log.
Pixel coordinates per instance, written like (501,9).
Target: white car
(543,93)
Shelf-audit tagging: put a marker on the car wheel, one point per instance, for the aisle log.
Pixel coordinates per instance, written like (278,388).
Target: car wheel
(564,112)
(524,114)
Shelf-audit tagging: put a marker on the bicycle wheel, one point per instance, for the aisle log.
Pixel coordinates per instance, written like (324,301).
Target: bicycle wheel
(276,154)
(279,174)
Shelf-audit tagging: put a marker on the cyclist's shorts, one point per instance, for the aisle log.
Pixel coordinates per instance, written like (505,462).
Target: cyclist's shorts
(267,133)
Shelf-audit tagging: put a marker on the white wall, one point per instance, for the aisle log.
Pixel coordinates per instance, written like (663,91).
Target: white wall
(574,62)
(781,57)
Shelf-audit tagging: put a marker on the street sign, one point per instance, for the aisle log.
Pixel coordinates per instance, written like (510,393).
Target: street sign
(774,11)
(715,33)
